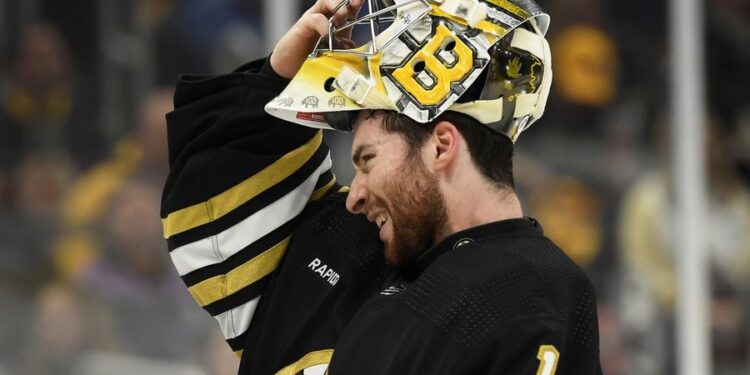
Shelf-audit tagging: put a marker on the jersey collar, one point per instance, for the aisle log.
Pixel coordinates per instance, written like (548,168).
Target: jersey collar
(456,240)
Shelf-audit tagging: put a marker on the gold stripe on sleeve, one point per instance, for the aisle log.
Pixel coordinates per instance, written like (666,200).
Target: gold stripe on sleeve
(310,359)
(202,213)
(215,288)
(320,192)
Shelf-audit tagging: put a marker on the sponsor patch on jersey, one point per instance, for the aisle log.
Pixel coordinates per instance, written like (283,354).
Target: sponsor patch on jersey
(324,271)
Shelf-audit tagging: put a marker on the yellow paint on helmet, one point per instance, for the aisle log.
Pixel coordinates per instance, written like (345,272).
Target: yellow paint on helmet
(510,7)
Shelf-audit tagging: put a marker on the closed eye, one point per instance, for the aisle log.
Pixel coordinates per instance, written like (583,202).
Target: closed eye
(362,154)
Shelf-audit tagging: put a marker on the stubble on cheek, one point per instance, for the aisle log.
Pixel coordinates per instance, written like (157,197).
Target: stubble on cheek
(417,213)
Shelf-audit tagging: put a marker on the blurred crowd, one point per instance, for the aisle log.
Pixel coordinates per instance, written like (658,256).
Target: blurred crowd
(86,286)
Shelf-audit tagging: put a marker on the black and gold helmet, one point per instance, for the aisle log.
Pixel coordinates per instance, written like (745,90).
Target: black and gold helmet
(484,58)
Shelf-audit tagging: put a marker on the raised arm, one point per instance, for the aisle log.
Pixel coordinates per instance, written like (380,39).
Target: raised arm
(241,185)
(238,180)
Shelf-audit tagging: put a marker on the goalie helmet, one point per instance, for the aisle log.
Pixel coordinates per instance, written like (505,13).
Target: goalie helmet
(485,58)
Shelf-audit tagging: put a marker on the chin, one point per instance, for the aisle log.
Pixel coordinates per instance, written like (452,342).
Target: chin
(392,257)
(400,256)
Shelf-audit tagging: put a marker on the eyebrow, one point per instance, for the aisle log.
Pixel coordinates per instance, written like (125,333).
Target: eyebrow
(357,156)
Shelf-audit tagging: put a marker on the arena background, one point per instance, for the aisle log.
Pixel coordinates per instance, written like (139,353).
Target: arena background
(85,282)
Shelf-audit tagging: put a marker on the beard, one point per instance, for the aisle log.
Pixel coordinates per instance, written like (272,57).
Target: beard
(418,213)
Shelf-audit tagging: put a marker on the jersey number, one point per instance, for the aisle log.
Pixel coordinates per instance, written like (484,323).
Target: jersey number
(548,357)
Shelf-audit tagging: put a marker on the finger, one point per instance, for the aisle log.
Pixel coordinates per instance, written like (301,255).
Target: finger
(292,49)
(346,15)
(312,26)
(351,12)
(342,43)
(353,8)
(327,7)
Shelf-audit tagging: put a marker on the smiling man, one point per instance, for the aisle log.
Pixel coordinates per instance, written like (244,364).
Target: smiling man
(420,183)
(394,190)
(426,265)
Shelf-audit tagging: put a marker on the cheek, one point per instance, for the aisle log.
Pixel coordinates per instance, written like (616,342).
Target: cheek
(400,188)
(380,177)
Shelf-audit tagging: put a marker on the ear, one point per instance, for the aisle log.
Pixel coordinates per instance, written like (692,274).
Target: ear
(446,139)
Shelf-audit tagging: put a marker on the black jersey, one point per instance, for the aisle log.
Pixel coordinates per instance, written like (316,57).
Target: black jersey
(257,228)
(495,299)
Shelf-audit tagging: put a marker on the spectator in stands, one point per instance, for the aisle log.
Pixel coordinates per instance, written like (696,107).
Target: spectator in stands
(40,106)
(66,325)
(647,240)
(29,222)
(142,153)
(134,278)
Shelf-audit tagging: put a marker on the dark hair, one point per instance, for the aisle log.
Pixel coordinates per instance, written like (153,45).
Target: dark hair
(491,152)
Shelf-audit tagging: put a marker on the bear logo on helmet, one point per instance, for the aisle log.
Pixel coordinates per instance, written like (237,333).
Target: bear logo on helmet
(311,101)
(337,101)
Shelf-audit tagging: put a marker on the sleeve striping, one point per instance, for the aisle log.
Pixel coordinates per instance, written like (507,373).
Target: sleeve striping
(217,248)
(240,297)
(249,252)
(324,179)
(237,344)
(254,205)
(218,287)
(236,321)
(322,191)
(320,357)
(198,214)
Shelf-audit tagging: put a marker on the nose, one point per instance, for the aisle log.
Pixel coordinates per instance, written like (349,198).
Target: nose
(358,195)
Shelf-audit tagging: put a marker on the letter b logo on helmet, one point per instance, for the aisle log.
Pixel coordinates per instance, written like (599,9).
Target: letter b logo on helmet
(436,69)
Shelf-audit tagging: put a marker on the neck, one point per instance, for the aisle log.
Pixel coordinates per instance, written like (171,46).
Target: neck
(476,202)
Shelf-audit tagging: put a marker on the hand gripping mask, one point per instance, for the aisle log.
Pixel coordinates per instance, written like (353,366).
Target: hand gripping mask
(485,58)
